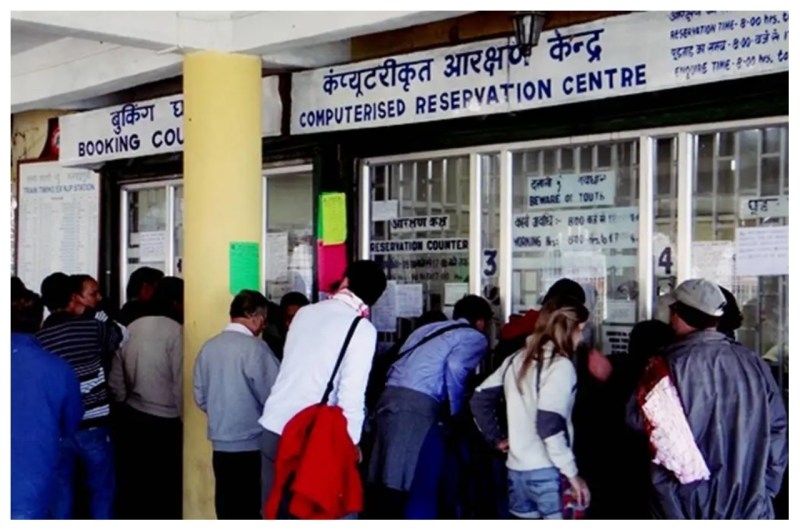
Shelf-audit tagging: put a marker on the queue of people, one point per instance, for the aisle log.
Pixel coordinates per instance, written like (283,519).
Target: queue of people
(306,421)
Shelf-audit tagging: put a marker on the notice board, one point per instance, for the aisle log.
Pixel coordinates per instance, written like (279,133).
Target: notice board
(58,221)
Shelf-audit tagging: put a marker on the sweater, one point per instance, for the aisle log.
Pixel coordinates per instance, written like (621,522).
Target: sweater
(147,373)
(539,418)
(233,376)
(45,407)
(83,342)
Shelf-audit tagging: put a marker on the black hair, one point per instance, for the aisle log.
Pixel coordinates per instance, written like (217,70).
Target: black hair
(141,277)
(432,316)
(57,290)
(294,298)
(78,281)
(732,318)
(27,311)
(247,303)
(566,288)
(168,298)
(472,308)
(17,286)
(647,338)
(366,280)
(693,317)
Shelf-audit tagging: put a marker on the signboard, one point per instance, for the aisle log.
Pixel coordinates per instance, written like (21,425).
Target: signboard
(418,224)
(144,128)
(578,63)
(571,190)
(425,246)
(762,251)
(768,206)
(58,222)
(600,228)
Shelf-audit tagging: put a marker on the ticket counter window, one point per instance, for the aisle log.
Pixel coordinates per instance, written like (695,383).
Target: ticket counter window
(575,215)
(420,222)
(739,240)
(150,235)
(289,239)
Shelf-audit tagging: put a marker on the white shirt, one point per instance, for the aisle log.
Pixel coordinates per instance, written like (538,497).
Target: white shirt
(315,338)
(236,327)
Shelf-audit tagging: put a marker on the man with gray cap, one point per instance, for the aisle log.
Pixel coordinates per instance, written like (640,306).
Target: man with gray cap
(734,409)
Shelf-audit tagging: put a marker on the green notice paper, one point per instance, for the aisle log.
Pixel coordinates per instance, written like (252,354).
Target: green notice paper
(244,267)
(333,218)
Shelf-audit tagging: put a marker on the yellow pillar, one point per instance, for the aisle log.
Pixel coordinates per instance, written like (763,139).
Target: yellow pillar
(222,204)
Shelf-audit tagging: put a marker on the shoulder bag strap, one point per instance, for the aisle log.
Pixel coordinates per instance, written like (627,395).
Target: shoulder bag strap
(346,344)
(432,336)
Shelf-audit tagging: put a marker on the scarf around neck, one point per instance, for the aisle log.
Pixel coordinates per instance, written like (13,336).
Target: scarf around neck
(350,298)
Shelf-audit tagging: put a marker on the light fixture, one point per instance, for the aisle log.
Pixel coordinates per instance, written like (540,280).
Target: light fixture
(527,30)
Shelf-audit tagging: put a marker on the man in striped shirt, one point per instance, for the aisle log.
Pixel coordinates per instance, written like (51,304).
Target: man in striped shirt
(81,342)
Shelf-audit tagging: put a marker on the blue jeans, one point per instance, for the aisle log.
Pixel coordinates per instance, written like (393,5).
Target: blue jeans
(535,494)
(91,448)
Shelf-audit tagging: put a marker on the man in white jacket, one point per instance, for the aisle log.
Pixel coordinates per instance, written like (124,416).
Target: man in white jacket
(312,346)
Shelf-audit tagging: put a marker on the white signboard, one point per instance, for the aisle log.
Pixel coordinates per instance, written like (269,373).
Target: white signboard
(767,206)
(419,224)
(571,190)
(384,210)
(152,246)
(577,63)
(277,256)
(713,261)
(58,222)
(600,228)
(409,300)
(384,313)
(439,245)
(143,128)
(615,339)
(762,251)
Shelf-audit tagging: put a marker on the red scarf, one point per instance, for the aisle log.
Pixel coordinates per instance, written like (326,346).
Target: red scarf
(350,299)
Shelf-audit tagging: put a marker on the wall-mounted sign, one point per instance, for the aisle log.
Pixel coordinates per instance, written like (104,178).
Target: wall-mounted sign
(573,229)
(419,224)
(143,128)
(437,245)
(578,63)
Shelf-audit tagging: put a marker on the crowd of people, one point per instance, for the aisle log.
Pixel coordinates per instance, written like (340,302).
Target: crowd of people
(306,421)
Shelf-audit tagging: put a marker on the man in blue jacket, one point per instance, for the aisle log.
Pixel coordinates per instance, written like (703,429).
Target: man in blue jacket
(45,408)
(424,391)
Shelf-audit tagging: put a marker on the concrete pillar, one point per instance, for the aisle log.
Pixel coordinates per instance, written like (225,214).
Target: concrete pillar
(222,204)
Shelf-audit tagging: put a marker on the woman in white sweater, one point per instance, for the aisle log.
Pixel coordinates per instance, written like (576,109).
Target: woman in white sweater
(538,384)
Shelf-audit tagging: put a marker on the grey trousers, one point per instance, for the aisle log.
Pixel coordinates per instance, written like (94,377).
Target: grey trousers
(269,451)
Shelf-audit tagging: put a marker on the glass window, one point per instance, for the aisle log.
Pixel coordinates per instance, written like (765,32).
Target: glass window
(665,222)
(490,232)
(289,242)
(582,225)
(421,241)
(147,233)
(745,190)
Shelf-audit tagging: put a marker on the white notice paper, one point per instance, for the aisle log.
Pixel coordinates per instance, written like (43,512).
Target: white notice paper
(762,251)
(713,261)
(384,313)
(152,246)
(454,292)
(621,311)
(409,300)
(277,256)
(384,210)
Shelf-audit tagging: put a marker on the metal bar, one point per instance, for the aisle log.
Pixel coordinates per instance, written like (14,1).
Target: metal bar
(364,221)
(647,167)
(475,219)
(683,256)
(588,139)
(170,259)
(505,246)
(124,242)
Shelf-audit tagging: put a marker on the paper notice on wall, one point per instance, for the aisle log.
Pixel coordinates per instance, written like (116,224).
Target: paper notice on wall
(333,218)
(152,246)
(762,251)
(384,210)
(615,339)
(409,300)
(454,292)
(384,313)
(714,261)
(619,311)
(243,267)
(277,256)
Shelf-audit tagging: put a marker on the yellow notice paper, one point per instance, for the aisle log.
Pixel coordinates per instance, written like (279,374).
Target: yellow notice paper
(333,214)
(244,266)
